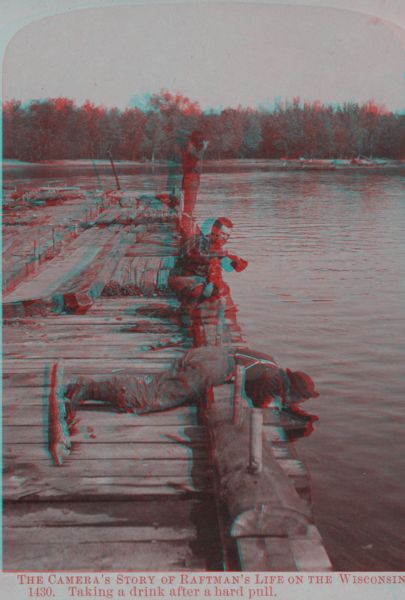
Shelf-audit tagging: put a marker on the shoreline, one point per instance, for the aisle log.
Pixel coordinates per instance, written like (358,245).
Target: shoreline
(270,164)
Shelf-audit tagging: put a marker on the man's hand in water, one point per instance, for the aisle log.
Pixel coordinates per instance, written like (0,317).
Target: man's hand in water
(239,264)
(230,262)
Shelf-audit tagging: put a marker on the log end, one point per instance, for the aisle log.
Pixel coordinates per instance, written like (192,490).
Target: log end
(270,521)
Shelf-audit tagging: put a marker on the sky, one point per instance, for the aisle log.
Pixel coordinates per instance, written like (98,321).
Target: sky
(219,54)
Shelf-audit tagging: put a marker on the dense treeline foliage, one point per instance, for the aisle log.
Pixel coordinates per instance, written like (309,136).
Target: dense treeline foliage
(58,129)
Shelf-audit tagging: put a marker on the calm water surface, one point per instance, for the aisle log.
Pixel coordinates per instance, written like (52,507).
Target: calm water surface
(323,293)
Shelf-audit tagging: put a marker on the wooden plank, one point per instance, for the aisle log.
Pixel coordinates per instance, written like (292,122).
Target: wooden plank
(32,376)
(119,556)
(154,245)
(107,432)
(163,278)
(8,242)
(100,451)
(169,513)
(154,310)
(63,267)
(157,233)
(164,355)
(32,412)
(34,379)
(78,294)
(83,535)
(133,468)
(34,415)
(114,334)
(34,366)
(141,332)
(152,250)
(149,275)
(133,305)
(14,398)
(108,336)
(293,468)
(67,488)
(168,262)
(109,320)
(280,452)
(73,280)
(41,350)
(16,265)
(122,274)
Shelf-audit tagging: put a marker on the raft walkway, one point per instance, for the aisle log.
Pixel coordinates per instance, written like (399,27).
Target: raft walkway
(137,492)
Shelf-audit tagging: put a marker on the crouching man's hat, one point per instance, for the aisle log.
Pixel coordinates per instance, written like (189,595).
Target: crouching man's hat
(302,386)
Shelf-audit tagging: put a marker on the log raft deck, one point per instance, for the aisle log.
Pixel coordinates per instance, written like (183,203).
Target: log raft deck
(165,491)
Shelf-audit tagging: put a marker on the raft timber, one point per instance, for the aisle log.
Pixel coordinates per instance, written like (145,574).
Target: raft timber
(157,492)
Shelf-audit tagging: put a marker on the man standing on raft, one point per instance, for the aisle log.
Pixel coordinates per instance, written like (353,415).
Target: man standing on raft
(191,162)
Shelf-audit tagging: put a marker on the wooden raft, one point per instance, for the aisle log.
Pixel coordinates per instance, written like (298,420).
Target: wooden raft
(33,235)
(136,492)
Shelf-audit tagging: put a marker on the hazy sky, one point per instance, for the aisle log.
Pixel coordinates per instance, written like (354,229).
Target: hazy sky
(220,54)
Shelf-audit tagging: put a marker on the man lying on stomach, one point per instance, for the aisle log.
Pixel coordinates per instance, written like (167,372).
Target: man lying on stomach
(266,384)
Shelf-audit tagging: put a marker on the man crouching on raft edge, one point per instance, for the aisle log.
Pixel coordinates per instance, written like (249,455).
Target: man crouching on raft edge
(196,276)
(266,384)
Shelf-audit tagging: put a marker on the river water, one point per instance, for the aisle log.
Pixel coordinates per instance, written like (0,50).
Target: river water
(323,293)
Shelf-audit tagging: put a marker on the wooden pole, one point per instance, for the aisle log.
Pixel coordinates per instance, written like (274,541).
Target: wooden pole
(36,255)
(58,433)
(114,171)
(181,205)
(256,441)
(220,321)
(237,395)
(100,185)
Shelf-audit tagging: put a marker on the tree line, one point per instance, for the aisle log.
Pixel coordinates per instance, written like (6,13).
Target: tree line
(56,128)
